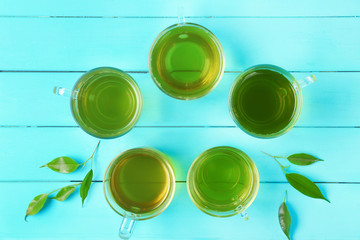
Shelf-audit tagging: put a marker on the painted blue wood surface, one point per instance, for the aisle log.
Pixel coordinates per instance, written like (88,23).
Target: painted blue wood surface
(312,219)
(296,44)
(340,147)
(161,8)
(44,43)
(25,102)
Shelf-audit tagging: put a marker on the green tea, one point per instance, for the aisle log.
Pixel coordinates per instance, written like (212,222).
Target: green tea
(107,102)
(186,61)
(263,102)
(223,179)
(140,182)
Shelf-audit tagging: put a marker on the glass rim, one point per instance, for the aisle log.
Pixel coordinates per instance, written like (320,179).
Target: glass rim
(216,80)
(168,199)
(298,97)
(250,196)
(120,132)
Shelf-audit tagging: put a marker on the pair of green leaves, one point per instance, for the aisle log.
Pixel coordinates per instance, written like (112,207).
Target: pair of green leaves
(39,201)
(300,183)
(63,165)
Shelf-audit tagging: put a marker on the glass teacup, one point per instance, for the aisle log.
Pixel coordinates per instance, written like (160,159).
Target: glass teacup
(105,102)
(139,184)
(186,60)
(223,181)
(265,100)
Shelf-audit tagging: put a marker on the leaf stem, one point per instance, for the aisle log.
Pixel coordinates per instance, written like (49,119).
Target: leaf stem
(84,163)
(285,195)
(282,167)
(267,154)
(54,191)
(91,157)
(274,157)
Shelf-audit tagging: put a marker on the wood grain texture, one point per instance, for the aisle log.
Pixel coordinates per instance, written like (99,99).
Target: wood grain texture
(296,44)
(24,150)
(29,101)
(162,8)
(181,220)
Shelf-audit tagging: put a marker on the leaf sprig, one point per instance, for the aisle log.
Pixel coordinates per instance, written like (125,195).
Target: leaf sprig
(63,165)
(39,201)
(299,182)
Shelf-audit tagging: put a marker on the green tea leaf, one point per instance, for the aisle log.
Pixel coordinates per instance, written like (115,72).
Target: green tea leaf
(304,185)
(85,185)
(36,204)
(284,218)
(302,159)
(65,192)
(62,165)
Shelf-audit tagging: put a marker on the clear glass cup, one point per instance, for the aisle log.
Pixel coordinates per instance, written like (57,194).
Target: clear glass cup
(223,181)
(138,184)
(106,102)
(186,60)
(265,101)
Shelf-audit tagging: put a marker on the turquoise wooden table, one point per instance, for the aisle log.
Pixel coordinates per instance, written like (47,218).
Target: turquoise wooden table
(46,43)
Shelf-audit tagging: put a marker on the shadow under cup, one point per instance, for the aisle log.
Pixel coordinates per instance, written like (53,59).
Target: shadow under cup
(106,102)
(223,181)
(186,61)
(139,184)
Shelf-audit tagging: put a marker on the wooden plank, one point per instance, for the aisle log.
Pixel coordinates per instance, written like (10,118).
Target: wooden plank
(29,101)
(192,8)
(24,150)
(297,44)
(311,219)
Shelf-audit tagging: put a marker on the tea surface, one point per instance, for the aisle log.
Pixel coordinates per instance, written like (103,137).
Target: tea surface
(140,183)
(185,61)
(263,102)
(106,103)
(223,180)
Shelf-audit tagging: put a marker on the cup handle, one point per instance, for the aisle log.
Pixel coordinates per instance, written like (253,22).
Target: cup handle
(307,81)
(126,228)
(65,92)
(181,17)
(244,215)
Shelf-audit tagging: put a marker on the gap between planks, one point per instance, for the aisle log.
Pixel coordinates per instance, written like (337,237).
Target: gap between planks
(172,17)
(146,72)
(100,181)
(75,126)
